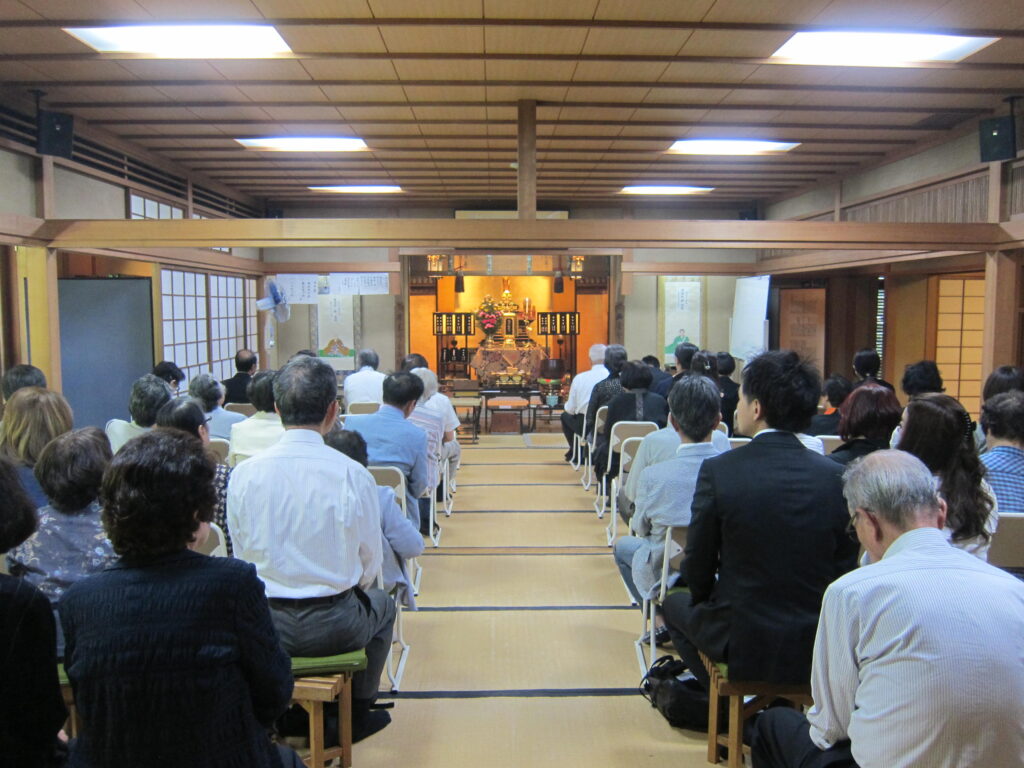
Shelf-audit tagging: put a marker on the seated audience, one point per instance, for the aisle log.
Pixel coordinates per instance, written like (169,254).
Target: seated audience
(866,365)
(209,393)
(867,417)
(634,403)
(149,393)
(440,404)
(666,489)
(393,441)
(401,539)
(187,415)
(171,374)
(18,376)
(70,542)
(919,378)
(580,389)
(236,389)
(605,390)
(837,389)
(200,675)
(704,363)
(938,430)
(767,534)
(33,417)
(31,706)
(729,388)
(1002,418)
(1005,378)
(657,371)
(684,354)
(263,428)
(366,383)
(432,424)
(917,656)
(309,519)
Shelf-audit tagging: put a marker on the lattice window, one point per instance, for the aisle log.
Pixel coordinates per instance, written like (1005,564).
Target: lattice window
(227,323)
(142,207)
(880,318)
(961,318)
(185,320)
(251,314)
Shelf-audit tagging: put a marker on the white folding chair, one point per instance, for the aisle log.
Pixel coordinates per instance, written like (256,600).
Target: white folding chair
(215,544)
(234,459)
(246,409)
(588,446)
(448,498)
(723,428)
(621,431)
(392,477)
(831,442)
(355,408)
(675,542)
(738,442)
(219,448)
(394,671)
(577,446)
(629,448)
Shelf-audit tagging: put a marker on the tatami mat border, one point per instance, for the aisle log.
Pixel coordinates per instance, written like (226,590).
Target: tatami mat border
(527,693)
(465,608)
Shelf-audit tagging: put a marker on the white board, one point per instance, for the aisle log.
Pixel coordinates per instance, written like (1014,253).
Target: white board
(747,336)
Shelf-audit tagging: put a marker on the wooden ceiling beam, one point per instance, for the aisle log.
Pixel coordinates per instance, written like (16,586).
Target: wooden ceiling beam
(659,85)
(533,22)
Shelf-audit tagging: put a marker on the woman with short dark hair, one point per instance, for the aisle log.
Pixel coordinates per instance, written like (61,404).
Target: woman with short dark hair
(867,418)
(200,675)
(70,543)
(31,707)
(634,404)
(938,430)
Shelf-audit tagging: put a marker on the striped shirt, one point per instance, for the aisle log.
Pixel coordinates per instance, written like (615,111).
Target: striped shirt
(1004,470)
(918,660)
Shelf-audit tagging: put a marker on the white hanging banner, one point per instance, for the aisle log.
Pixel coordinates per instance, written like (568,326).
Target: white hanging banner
(357,283)
(298,289)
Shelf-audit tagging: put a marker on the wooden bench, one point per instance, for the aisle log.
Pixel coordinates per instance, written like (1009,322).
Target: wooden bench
(323,679)
(741,710)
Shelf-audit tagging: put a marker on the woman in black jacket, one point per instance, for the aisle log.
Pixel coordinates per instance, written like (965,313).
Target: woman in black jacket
(172,655)
(634,404)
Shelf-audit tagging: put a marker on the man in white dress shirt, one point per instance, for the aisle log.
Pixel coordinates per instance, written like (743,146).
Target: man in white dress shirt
(579,395)
(263,428)
(917,660)
(365,385)
(307,517)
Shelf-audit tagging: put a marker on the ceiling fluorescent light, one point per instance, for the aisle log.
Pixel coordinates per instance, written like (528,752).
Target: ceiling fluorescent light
(877,49)
(356,189)
(730,147)
(305,144)
(665,190)
(186,41)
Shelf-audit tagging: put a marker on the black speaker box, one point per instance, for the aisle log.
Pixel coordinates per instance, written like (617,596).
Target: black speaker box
(55,133)
(997,137)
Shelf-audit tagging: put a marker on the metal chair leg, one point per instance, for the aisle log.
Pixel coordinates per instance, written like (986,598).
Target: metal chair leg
(613,527)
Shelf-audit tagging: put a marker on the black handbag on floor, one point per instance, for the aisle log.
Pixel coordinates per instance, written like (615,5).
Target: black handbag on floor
(681,702)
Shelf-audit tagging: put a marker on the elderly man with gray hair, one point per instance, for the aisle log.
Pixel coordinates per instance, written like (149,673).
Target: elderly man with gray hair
(210,394)
(366,383)
(917,660)
(149,394)
(579,395)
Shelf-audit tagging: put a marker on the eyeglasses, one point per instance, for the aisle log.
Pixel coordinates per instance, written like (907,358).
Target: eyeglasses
(851,529)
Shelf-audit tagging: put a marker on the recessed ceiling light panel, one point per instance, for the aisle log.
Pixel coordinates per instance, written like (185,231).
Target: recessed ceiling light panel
(877,49)
(730,147)
(665,190)
(186,41)
(359,189)
(305,144)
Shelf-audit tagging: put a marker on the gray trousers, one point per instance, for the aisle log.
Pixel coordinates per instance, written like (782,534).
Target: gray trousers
(356,620)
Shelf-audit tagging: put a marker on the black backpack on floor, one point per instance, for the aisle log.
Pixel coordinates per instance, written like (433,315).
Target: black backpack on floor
(682,702)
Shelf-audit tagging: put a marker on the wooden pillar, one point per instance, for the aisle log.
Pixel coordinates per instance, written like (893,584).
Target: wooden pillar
(996,191)
(45,205)
(527,160)
(36,306)
(1001,335)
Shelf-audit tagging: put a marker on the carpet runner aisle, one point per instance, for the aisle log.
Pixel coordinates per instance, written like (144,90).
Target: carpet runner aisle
(522,647)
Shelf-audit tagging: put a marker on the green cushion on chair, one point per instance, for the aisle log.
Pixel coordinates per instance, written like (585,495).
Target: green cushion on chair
(723,669)
(675,590)
(311,666)
(62,676)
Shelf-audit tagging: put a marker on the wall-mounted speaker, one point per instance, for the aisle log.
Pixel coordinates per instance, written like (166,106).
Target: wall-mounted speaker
(997,138)
(55,133)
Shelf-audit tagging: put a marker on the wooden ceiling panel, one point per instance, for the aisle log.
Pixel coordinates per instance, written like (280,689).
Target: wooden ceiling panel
(454,71)
(405,129)
(654,10)
(454,39)
(226,114)
(613,117)
(191,93)
(95,9)
(453,93)
(435,9)
(877,13)
(534,40)
(380,147)
(363,114)
(306,113)
(287,93)
(208,9)
(688,95)
(35,40)
(261,69)
(1009,50)
(333,39)
(453,113)
(681,115)
(365,92)
(540,9)
(516,92)
(665,42)
(15,10)
(16,70)
(713,42)
(692,72)
(778,11)
(980,13)
(507,113)
(624,95)
(350,69)
(103,114)
(482,143)
(314,9)
(156,69)
(612,71)
(530,70)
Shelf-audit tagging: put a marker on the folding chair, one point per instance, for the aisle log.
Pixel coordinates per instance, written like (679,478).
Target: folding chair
(588,446)
(621,431)
(219,448)
(629,448)
(235,459)
(392,477)
(395,672)
(738,442)
(246,409)
(215,544)
(831,442)
(577,446)
(723,428)
(448,498)
(675,542)
(1007,550)
(363,408)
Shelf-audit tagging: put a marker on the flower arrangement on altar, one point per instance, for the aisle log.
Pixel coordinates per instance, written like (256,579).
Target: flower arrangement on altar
(489,316)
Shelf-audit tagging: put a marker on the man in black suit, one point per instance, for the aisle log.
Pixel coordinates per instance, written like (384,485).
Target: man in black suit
(235,387)
(767,536)
(684,354)
(655,366)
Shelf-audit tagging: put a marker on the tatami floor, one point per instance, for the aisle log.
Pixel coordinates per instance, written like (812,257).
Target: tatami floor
(522,647)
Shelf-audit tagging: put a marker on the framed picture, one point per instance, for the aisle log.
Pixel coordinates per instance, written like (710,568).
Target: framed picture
(682,306)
